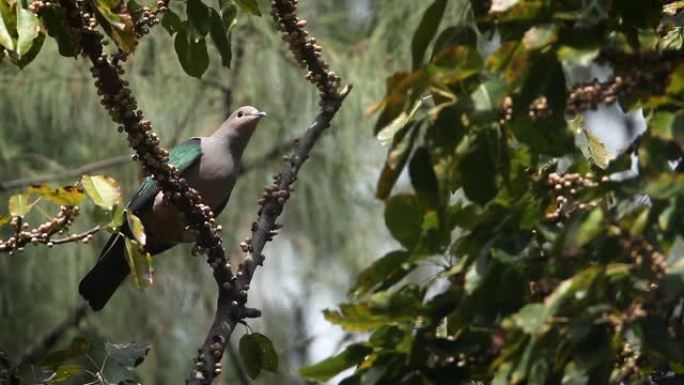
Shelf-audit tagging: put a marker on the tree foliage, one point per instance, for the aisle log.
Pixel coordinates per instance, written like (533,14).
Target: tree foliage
(549,261)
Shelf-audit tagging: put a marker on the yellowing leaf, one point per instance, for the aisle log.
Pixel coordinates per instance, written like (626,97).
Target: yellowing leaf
(67,195)
(20,205)
(590,145)
(137,228)
(140,263)
(540,36)
(103,190)
(249,6)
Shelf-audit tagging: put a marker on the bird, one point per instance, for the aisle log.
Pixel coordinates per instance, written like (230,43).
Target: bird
(210,165)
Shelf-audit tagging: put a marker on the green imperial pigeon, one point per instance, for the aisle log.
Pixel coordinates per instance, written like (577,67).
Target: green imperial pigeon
(210,165)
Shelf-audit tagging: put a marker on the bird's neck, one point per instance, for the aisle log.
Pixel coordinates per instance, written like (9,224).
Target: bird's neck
(233,141)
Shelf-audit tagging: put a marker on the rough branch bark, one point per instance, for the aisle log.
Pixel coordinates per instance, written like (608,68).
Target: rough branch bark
(232,295)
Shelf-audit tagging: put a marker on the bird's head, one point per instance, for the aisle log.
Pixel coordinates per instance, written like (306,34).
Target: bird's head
(244,120)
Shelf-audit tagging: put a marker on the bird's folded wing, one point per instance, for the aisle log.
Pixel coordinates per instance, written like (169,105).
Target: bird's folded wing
(182,157)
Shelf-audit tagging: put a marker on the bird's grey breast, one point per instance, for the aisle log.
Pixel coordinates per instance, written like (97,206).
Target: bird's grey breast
(215,174)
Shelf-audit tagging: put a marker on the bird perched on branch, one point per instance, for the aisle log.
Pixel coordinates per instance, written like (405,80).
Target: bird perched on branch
(209,165)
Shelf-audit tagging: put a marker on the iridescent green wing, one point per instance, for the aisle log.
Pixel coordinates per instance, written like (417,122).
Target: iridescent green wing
(182,156)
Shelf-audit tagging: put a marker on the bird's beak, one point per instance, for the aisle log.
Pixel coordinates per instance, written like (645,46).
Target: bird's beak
(260,114)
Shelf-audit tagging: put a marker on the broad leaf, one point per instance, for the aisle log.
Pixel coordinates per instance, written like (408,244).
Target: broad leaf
(140,262)
(171,22)
(8,25)
(20,205)
(28,30)
(103,190)
(137,228)
(383,273)
(404,219)
(191,51)
(77,348)
(249,6)
(67,195)
(128,355)
(330,367)
(221,37)
(65,372)
(55,20)
(198,17)
(257,353)
(117,23)
(426,31)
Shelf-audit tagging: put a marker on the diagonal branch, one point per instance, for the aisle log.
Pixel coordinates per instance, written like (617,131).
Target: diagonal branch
(232,295)
(75,173)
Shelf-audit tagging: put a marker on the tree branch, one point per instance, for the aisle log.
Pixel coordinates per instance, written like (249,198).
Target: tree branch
(232,294)
(75,173)
(41,234)
(274,153)
(39,350)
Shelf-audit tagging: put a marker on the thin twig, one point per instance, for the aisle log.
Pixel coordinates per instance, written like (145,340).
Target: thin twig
(38,351)
(75,173)
(77,237)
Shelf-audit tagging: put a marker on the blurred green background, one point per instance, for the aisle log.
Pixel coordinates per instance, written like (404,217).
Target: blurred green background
(52,122)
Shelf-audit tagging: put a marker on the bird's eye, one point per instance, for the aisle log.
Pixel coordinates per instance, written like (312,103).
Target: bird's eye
(240,114)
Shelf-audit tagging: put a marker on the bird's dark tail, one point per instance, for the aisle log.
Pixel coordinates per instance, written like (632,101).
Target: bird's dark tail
(98,286)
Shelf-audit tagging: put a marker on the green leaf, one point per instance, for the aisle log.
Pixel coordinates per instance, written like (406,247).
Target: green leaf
(8,25)
(103,190)
(330,367)
(228,14)
(540,36)
(171,22)
(397,156)
(404,219)
(257,353)
(423,178)
(67,195)
(676,83)
(191,51)
(478,172)
(109,219)
(198,17)
(77,348)
(128,355)
(383,273)
(28,29)
(137,229)
(249,6)
(221,38)
(532,319)
(140,262)
(55,22)
(20,205)
(65,372)
(489,96)
(402,305)
(117,22)
(665,186)
(426,31)
(591,227)
(5,219)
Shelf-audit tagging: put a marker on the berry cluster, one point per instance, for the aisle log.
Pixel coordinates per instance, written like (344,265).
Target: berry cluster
(24,234)
(150,17)
(645,255)
(304,48)
(566,189)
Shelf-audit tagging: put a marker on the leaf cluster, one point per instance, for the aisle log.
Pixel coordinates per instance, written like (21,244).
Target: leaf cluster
(546,264)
